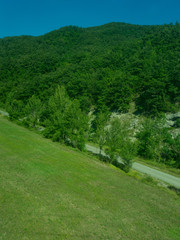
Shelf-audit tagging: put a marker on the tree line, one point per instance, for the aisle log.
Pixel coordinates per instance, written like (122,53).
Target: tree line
(63,120)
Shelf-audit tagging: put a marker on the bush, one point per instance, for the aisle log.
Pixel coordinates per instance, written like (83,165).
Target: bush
(148,179)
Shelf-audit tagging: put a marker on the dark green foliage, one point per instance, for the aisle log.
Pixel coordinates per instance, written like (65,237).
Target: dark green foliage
(149,140)
(66,122)
(107,66)
(175,148)
(177,124)
(14,107)
(33,110)
(157,143)
(171,151)
(119,142)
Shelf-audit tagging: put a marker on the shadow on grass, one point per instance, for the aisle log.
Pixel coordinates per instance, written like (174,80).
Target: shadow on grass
(176,190)
(107,159)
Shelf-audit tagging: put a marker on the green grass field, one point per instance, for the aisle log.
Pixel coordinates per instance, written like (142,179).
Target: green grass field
(49,191)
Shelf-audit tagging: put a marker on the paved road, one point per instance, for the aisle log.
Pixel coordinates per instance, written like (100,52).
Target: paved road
(174,181)
(165,177)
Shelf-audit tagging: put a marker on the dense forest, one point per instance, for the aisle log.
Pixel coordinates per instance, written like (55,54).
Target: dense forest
(108,66)
(56,79)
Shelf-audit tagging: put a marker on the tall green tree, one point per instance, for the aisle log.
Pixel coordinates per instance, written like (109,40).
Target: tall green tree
(119,142)
(33,110)
(66,121)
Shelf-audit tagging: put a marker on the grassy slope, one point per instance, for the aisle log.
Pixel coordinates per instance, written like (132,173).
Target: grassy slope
(48,191)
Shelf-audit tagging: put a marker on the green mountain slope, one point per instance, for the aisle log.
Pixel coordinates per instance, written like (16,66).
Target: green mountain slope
(110,65)
(48,191)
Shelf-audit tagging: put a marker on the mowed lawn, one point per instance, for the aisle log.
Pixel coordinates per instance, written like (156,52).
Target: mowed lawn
(49,191)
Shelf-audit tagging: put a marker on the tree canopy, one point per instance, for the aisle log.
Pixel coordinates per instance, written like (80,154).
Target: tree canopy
(107,66)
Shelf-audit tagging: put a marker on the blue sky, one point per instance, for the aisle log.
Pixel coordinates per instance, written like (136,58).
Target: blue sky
(36,17)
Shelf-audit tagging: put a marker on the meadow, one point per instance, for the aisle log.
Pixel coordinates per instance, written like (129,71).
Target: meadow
(50,191)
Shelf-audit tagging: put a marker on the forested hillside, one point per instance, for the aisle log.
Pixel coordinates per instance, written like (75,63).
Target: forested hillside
(107,67)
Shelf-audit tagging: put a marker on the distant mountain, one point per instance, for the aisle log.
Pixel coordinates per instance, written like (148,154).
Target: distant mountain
(108,66)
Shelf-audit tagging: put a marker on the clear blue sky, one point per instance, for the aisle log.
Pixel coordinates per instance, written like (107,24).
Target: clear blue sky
(36,17)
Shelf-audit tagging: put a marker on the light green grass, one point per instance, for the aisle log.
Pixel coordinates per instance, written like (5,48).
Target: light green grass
(49,191)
